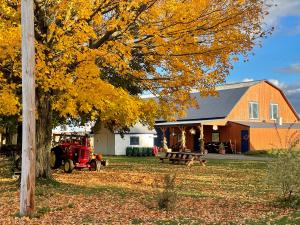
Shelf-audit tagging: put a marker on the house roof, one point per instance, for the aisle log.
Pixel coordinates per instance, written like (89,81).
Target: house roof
(219,122)
(217,107)
(140,129)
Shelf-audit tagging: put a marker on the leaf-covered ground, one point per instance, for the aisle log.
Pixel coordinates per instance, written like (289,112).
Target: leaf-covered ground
(125,192)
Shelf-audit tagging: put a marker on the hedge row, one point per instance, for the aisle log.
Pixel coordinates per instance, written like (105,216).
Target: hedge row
(138,151)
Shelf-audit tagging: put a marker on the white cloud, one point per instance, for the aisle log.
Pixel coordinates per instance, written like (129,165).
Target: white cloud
(291,69)
(277,83)
(283,8)
(293,91)
(247,80)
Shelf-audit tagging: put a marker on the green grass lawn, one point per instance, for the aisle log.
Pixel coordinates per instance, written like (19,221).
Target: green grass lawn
(125,192)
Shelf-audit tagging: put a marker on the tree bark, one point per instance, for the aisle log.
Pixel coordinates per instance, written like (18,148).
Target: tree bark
(43,135)
(8,136)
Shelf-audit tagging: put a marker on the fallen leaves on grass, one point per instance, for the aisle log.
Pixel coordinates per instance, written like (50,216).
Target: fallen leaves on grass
(124,192)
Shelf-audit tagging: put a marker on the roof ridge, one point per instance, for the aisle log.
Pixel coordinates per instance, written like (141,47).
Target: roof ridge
(242,82)
(238,85)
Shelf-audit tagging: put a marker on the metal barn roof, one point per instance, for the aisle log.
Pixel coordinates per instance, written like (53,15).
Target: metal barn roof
(217,107)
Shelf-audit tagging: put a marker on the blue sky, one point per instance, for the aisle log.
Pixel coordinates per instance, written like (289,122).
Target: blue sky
(279,58)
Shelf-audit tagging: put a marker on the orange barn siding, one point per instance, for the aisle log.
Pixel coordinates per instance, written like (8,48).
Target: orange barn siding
(233,132)
(230,132)
(264,94)
(270,138)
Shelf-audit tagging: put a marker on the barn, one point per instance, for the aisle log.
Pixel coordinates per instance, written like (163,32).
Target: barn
(112,143)
(248,116)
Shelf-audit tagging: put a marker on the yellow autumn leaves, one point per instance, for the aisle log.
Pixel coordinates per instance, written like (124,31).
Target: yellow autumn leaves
(166,47)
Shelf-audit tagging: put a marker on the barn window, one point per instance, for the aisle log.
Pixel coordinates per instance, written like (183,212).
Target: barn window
(215,136)
(253,110)
(134,140)
(274,112)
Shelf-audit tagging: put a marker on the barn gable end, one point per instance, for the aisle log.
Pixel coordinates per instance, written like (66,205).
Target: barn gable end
(265,94)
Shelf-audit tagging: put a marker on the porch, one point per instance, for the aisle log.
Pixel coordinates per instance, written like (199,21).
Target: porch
(199,136)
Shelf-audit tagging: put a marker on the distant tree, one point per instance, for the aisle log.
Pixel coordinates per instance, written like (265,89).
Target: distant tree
(94,56)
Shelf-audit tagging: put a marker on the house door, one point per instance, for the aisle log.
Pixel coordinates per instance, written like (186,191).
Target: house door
(245,141)
(101,145)
(196,141)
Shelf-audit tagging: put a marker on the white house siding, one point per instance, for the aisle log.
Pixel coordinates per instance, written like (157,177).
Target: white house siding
(146,140)
(109,143)
(121,144)
(104,142)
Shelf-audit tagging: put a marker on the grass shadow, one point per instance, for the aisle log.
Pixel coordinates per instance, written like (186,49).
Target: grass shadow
(44,185)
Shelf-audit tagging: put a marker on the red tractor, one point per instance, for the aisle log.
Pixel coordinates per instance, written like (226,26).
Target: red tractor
(74,152)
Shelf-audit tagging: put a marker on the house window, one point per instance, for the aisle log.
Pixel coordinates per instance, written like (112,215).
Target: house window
(253,110)
(134,140)
(215,137)
(274,112)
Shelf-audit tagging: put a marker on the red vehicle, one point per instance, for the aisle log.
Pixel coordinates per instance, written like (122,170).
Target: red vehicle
(74,152)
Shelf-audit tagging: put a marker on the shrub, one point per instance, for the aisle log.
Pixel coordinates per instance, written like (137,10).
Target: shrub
(138,151)
(129,151)
(135,151)
(144,152)
(149,152)
(284,174)
(168,197)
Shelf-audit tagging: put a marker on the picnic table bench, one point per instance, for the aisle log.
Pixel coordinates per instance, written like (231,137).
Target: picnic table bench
(186,157)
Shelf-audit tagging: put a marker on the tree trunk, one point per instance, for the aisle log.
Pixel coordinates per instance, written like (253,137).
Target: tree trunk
(19,134)
(8,136)
(43,135)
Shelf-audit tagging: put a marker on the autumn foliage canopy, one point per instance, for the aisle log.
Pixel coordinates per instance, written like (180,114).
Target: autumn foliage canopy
(88,51)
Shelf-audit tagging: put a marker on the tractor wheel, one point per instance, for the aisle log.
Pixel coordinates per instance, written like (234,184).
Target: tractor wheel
(95,165)
(68,166)
(55,158)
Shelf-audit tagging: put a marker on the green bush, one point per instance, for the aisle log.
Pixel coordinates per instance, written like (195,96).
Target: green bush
(144,152)
(284,174)
(149,151)
(139,151)
(266,153)
(129,151)
(135,151)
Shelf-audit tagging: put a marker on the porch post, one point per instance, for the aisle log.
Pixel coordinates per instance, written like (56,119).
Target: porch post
(183,139)
(201,139)
(165,142)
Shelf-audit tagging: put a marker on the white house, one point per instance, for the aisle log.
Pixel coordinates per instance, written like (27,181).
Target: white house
(111,143)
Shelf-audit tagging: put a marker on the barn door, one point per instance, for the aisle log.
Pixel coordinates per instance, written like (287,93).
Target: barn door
(245,141)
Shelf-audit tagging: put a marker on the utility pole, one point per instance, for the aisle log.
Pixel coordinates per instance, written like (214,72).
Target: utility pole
(27,192)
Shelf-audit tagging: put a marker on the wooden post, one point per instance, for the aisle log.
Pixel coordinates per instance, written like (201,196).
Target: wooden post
(183,139)
(28,103)
(201,138)
(165,142)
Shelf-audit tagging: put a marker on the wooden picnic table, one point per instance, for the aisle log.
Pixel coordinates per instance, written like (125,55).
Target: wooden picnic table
(186,157)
